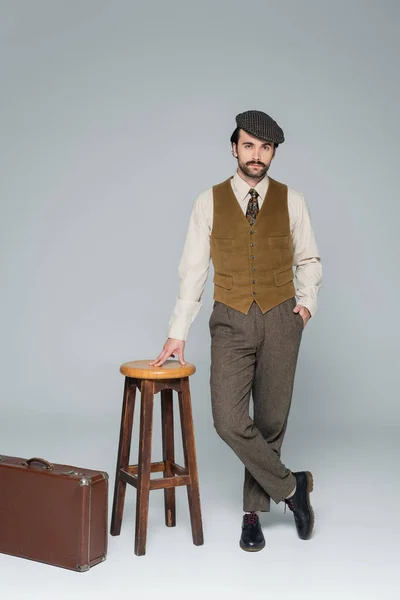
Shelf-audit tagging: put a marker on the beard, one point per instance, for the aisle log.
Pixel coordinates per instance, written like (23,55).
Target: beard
(250,171)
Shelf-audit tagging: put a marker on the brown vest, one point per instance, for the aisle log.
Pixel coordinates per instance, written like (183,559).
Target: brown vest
(252,262)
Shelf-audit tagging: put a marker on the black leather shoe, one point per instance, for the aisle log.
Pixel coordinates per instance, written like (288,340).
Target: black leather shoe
(252,539)
(300,504)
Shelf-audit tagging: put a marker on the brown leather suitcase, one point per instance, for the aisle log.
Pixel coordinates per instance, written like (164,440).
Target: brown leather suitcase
(56,514)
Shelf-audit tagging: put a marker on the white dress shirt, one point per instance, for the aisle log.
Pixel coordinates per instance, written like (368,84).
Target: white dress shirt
(195,259)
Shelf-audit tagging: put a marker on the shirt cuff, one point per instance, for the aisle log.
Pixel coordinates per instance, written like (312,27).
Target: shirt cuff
(183,315)
(308,303)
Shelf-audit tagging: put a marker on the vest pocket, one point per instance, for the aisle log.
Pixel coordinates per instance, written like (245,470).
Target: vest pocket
(222,280)
(279,242)
(283,277)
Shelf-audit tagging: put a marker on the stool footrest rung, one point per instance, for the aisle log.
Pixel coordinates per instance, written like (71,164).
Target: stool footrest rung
(158,467)
(128,478)
(178,470)
(169,482)
(180,475)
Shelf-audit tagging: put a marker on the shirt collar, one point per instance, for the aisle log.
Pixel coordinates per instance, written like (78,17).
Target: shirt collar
(241,188)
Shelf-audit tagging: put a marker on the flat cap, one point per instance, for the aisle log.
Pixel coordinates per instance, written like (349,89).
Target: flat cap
(260,125)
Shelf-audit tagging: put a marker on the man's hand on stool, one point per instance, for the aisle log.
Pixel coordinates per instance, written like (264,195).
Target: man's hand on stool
(170,348)
(304,312)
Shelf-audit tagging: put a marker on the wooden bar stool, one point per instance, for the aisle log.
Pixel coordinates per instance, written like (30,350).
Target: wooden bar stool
(149,381)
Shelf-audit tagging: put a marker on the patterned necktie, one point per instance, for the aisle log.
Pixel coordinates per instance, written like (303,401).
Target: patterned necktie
(252,207)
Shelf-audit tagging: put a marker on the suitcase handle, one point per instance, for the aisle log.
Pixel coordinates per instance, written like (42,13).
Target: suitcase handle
(48,465)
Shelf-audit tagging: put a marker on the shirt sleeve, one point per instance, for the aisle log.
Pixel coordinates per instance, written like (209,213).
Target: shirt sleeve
(193,268)
(307,260)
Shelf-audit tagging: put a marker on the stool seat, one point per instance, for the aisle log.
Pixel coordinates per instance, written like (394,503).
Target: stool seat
(171,369)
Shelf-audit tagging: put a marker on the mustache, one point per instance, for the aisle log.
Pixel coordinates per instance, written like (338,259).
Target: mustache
(255,163)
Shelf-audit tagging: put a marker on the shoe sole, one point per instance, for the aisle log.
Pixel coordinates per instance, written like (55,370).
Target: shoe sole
(246,549)
(310,487)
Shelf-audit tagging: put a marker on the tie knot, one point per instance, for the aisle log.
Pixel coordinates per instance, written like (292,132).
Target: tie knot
(253,193)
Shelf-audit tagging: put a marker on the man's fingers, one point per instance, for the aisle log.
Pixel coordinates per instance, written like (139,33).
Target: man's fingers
(158,357)
(155,363)
(161,358)
(181,358)
(170,349)
(159,362)
(152,362)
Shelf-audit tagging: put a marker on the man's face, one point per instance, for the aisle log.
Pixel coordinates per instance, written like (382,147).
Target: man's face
(254,155)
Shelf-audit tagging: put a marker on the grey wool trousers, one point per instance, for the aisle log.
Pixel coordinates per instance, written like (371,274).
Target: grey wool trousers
(255,355)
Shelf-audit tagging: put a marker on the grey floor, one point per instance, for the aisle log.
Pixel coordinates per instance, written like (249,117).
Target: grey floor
(352,554)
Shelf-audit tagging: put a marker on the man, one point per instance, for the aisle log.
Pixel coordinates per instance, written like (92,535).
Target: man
(255,229)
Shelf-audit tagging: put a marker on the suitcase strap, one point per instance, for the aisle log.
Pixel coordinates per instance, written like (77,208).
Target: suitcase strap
(28,462)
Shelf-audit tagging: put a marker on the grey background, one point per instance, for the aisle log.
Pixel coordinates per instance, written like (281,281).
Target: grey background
(113,117)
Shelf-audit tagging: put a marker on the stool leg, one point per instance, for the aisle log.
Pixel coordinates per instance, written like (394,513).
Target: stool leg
(125,438)
(189,451)
(144,466)
(167,420)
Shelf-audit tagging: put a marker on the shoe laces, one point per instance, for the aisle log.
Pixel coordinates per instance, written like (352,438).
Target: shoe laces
(289,502)
(251,518)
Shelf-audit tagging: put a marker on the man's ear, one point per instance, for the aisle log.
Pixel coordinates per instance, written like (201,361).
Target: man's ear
(234,150)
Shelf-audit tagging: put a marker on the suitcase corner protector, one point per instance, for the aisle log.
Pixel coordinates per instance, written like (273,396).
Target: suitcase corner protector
(82,568)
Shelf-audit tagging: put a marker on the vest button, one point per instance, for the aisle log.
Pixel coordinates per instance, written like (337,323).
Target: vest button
(252,256)
(252,231)
(252,244)
(253,281)
(253,269)
(254,293)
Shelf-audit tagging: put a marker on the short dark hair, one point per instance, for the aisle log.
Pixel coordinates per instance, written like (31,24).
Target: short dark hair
(235,137)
